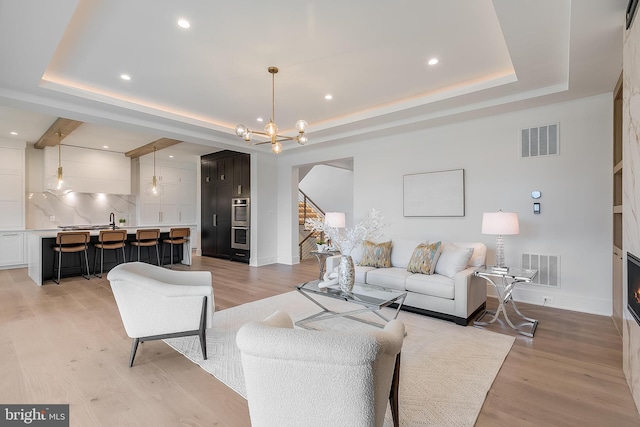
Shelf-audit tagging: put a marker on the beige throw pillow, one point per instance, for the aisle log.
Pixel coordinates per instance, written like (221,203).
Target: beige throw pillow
(424,258)
(376,254)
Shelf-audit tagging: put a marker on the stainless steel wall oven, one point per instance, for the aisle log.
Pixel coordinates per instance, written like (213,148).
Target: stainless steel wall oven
(240,212)
(240,238)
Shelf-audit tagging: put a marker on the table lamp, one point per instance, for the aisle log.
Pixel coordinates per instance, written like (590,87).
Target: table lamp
(334,220)
(500,223)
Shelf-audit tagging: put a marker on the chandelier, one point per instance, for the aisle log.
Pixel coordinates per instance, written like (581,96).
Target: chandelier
(271,129)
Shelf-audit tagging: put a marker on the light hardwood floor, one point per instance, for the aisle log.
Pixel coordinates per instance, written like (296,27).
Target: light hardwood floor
(66,344)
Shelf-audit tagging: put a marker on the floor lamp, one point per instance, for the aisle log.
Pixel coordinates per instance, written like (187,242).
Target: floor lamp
(500,223)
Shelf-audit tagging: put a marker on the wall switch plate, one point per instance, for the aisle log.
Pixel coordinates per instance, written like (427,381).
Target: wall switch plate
(536,208)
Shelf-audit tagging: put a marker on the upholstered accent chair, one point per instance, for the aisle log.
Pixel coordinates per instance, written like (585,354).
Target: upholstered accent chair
(308,378)
(109,240)
(156,303)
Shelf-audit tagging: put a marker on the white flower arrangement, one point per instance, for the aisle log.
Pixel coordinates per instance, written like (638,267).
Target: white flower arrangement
(369,228)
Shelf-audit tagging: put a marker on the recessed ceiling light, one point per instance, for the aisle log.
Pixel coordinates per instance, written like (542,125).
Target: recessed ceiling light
(328,97)
(125,77)
(183,23)
(260,119)
(171,157)
(105,146)
(13,133)
(433,61)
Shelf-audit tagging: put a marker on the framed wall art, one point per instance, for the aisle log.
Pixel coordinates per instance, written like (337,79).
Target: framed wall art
(434,193)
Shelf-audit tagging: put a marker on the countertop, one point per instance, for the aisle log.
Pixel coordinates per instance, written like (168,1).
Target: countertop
(52,232)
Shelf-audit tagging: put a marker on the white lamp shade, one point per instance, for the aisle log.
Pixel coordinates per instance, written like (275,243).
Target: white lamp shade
(501,223)
(335,219)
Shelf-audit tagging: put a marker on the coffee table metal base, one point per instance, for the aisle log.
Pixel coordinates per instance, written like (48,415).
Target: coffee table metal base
(326,314)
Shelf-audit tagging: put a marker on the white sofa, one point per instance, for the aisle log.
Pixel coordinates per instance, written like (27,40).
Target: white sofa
(451,293)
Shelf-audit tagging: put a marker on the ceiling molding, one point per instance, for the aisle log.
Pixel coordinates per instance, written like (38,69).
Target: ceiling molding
(158,144)
(60,129)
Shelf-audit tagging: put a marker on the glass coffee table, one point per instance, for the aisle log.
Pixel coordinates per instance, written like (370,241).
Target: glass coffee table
(367,298)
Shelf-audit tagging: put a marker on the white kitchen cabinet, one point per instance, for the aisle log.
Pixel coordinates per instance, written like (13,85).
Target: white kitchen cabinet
(90,171)
(12,249)
(176,203)
(12,190)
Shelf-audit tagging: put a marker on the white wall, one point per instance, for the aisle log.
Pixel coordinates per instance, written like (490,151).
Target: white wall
(575,222)
(264,209)
(331,189)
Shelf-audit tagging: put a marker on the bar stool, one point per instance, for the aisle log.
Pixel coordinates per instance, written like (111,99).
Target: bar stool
(110,240)
(177,236)
(71,242)
(146,238)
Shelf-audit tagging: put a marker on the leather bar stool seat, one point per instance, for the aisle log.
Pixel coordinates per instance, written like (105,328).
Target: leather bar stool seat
(146,239)
(109,240)
(177,236)
(71,242)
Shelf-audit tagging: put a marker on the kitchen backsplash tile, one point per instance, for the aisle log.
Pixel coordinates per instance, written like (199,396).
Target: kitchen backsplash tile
(77,209)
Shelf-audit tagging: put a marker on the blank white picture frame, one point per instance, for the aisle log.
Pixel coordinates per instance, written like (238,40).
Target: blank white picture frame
(434,193)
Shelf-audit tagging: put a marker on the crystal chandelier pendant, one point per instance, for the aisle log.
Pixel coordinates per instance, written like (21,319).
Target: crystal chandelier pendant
(271,129)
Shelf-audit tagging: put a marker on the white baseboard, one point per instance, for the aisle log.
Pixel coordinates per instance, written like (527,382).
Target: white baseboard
(560,300)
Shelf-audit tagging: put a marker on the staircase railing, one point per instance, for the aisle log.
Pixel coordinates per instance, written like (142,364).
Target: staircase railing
(309,210)
(308,206)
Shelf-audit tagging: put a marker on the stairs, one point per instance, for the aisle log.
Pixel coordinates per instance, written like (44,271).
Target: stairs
(307,210)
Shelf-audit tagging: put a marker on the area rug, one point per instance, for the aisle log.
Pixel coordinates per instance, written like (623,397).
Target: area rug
(446,369)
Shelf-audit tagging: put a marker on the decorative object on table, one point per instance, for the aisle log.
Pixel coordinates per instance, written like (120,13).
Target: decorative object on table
(367,229)
(500,223)
(346,273)
(321,244)
(271,129)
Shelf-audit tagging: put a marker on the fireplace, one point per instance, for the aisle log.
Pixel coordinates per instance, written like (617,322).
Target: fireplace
(633,286)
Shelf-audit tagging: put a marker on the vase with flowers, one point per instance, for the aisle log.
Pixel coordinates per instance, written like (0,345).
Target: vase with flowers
(348,239)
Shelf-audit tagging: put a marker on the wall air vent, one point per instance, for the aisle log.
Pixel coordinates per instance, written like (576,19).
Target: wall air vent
(540,141)
(548,267)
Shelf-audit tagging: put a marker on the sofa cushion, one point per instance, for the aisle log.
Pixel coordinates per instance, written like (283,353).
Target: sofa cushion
(402,250)
(392,278)
(424,258)
(434,285)
(376,254)
(478,259)
(361,273)
(453,259)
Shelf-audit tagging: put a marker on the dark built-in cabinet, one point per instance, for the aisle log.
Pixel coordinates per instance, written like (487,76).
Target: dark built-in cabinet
(225,176)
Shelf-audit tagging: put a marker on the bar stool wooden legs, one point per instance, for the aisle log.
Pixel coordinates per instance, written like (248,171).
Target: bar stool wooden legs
(177,236)
(71,242)
(110,240)
(147,238)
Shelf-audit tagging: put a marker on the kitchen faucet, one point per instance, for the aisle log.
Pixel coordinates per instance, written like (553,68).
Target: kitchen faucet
(112,220)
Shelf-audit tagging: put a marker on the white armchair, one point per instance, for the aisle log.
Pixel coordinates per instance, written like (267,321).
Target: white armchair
(156,303)
(318,378)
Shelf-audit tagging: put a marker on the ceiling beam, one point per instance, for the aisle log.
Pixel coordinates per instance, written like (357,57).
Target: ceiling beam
(158,144)
(61,126)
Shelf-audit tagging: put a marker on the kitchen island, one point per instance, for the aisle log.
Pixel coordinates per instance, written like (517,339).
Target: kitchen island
(40,253)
